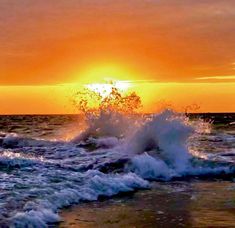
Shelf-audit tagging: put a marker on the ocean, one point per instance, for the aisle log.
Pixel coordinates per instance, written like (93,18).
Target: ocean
(160,170)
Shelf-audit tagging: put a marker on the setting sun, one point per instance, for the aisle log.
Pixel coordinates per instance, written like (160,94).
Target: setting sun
(105,88)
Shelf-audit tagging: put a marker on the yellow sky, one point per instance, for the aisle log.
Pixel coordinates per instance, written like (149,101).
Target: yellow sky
(179,51)
(210,97)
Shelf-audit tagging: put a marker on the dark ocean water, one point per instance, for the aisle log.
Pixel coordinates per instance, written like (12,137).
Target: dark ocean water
(42,170)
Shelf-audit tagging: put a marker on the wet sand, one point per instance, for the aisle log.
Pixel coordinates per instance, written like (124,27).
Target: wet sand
(175,204)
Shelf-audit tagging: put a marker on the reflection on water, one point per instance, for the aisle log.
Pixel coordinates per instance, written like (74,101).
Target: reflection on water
(42,126)
(214,204)
(177,204)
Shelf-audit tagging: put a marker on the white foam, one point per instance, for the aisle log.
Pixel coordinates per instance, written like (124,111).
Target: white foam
(106,124)
(12,140)
(107,142)
(9,158)
(149,167)
(39,214)
(38,219)
(167,134)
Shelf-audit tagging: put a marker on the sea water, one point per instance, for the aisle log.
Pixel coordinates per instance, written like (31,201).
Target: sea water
(48,163)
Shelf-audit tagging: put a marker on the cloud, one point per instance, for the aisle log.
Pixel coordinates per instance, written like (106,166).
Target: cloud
(227,77)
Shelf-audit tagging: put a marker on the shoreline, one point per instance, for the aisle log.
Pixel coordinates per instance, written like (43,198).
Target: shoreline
(179,204)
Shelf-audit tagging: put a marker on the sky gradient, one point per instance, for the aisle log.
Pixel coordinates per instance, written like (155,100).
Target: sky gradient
(48,43)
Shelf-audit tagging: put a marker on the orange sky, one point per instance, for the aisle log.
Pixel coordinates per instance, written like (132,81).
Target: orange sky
(183,51)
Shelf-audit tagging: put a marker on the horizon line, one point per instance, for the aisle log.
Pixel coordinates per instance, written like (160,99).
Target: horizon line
(74,114)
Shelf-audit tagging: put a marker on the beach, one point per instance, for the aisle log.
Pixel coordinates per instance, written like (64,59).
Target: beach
(177,204)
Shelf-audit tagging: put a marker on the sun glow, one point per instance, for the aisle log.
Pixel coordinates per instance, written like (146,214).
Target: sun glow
(106,73)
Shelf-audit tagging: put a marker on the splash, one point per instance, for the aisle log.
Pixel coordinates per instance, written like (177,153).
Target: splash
(115,117)
(159,146)
(112,115)
(167,134)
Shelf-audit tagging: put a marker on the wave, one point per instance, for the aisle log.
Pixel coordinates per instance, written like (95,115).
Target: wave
(42,213)
(115,153)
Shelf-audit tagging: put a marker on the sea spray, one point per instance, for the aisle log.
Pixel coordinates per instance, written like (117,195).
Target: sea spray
(166,134)
(115,115)
(162,138)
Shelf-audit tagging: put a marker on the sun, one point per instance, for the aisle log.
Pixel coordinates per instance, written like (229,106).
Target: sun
(101,78)
(104,89)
